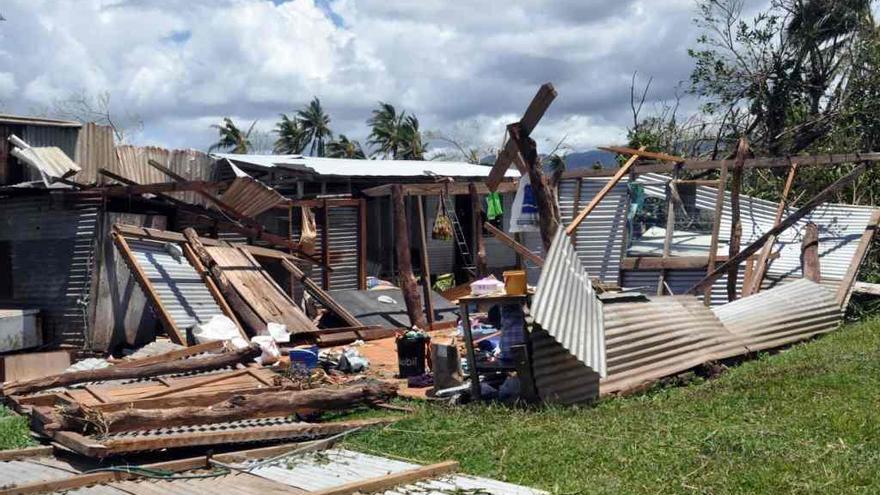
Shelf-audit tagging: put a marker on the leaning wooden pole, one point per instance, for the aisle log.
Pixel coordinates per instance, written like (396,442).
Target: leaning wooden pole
(735,222)
(406,280)
(716,230)
(426,262)
(788,222)
(548,218)
(621,172)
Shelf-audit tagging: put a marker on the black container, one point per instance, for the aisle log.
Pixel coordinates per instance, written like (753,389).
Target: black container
(411,357)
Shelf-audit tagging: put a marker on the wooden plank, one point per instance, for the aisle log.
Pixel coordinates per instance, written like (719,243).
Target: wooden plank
(180,387)
(751,163)
(97,394)
(844,290)
(511,243)
(320,294)
(788,222)
(479,246)
(436,188)
(426,263)
(576,206)
(623,150)
(763,259)
(389,481)
(172,355)
(536,109)
(212,288)
(40,451)
(672,198)
(173,331)
(619,174)
(735,224)
(33,365)
(716,230)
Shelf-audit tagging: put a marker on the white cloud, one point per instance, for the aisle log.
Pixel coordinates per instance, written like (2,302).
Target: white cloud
(461,67)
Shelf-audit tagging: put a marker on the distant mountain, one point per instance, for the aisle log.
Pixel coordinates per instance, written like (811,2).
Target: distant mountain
(586,159)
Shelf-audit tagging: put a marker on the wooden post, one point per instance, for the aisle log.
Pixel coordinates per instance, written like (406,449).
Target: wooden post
(479,246)
(242,308)
(716,229)
(671,195)
(764,259)
(549,221)
(290,239)
(362,244)
(426,264)
(404,260)
(735,222)
(788,222)
(810,253)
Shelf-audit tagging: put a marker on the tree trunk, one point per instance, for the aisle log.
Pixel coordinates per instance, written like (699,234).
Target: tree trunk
(251,406)
(120,373)
(404,261)
(547,211)
(810,253)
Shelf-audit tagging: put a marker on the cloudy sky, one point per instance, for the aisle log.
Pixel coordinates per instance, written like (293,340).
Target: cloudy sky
(464,68)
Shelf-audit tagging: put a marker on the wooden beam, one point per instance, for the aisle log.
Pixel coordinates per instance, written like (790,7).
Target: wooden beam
(769,162)
(810,253)
(536,109)
(735,223)
(764,258)
(426,263)
(141,276)
(212,288)
(672,197)
(623,150)
(389,481)
(325,245)
(844,290)
(181,387)
(406,280)
(788,222)
(479,246)
(652,263)
(320,294)
(859,288)
(436,188)
(192,350)
(716,230)
(244,310)
(546,203)
(164,187)
(511,243)
(621,172)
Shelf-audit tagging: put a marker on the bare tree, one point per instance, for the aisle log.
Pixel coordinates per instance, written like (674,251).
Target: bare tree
(85,107)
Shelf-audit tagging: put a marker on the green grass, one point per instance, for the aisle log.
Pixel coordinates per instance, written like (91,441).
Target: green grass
(14,431)
(803,421)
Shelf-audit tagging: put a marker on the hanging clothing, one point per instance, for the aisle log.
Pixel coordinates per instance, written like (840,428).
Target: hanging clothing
(494,207)
(309,231)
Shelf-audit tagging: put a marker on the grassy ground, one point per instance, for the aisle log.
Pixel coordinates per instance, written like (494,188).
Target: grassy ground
(803,421)
(14,432)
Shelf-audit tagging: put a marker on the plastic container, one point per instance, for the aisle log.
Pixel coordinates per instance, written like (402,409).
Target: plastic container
(488,285)
(411,356)
(304,357)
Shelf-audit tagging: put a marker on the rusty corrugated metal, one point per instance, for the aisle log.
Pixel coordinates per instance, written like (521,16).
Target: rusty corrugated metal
(566,307)
(49,161)
(133,164)
(663,336)
(250,197)
(95,149)
(790,313)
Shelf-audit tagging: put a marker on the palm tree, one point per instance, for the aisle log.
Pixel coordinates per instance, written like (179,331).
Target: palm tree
(395,135)
(231,137)
(316,126)
(345,148)
(291,136)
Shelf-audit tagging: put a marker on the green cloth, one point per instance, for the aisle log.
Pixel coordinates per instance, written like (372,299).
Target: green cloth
(494,208)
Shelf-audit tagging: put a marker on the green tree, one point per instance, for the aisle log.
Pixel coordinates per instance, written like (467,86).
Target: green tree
(395,135)
(315,125)
(291,137)
(231,138)
(342,147)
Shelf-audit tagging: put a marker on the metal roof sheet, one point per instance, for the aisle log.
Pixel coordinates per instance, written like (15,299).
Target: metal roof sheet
(26,120)
(346,167)
(566,306)
(782,315)
(53,163)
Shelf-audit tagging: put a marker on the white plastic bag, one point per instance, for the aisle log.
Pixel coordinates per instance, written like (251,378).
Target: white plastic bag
(524,213)
(270,354)
(219,328)
(278,331)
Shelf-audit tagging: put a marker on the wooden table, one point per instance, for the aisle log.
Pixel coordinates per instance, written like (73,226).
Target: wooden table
(463,304)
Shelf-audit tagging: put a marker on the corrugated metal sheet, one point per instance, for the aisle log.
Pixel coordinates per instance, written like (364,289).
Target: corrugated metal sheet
(646,341)
(40,136)
(95,149)
(559,377)
(133,164)
(250,197)
(35,469)
(343,240)
(344,167)
(566,307)
(50,161)
(8,119)
(51,246)
(180,288)
(679,282)
(782,315)
(600,237)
